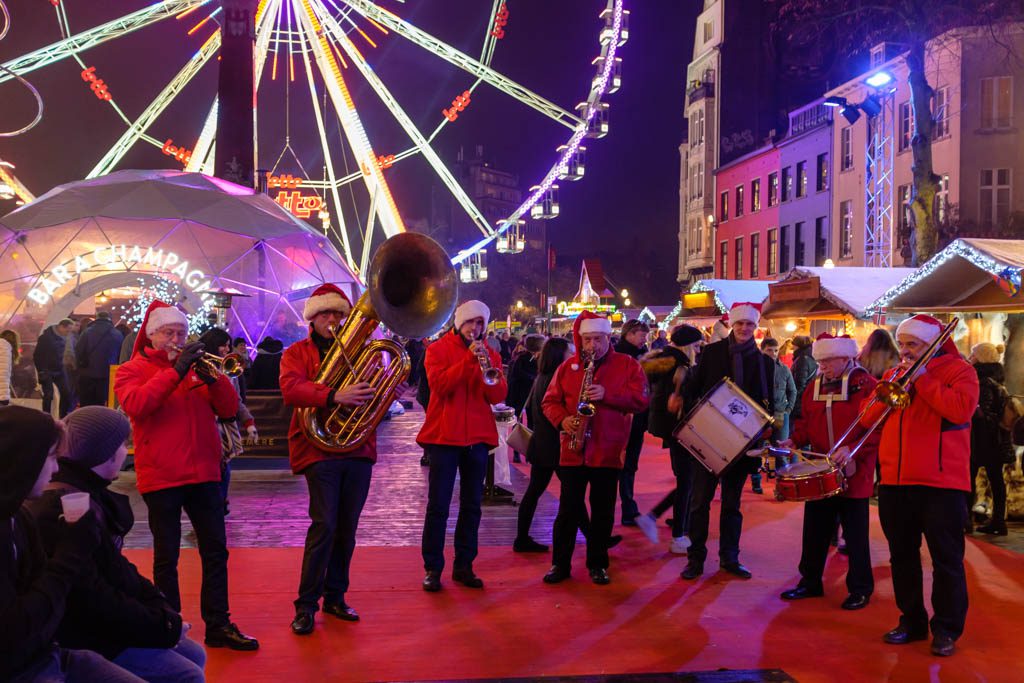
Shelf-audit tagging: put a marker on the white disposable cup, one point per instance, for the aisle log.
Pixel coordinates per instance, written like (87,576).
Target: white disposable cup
(75,506)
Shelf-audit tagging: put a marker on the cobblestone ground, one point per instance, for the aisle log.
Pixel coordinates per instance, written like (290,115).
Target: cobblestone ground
(269,506)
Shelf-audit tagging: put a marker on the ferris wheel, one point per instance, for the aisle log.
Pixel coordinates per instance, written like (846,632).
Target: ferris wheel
(323,50)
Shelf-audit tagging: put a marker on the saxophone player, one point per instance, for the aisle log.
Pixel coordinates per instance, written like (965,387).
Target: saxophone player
(338,482)
(457,434)
(609,387)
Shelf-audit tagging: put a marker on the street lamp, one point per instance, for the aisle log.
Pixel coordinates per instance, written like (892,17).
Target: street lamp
(627,302)
(519,304)
(625,293)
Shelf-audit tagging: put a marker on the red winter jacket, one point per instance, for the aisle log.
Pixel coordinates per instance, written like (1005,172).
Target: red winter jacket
(299,365)
(812,427)
(625,388)
(174,420)
(459,410)
(929,442)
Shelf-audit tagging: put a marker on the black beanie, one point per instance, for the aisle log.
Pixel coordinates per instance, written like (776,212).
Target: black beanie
(26,437)
(94,433)
(683,335)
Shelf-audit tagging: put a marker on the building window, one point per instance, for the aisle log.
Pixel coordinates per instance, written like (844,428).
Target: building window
(755,194)
(821,176)
(784,249)
(787,184)
(723,260)
(906,125)
(773,189)
(723,210)
(820,241)
(902,214)
(700,181)
(995,197)
(942,197)
(997,102)
(773,248)
(801,179)
(739,201)
(846,229)
(799,248)
(739,258)
(755,256)
(709,33)
(941,109)
(846,146)
(697,128)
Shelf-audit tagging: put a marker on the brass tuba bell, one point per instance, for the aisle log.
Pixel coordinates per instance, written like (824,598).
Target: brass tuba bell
(412,288)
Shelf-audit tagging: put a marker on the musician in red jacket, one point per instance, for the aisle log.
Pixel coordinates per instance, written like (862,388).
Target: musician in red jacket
(457,434)
(829,405)
(338,483)
(173,410)
(925,456)
(618,389)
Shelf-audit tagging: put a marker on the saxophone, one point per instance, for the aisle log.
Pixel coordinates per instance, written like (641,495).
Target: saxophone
(584,409)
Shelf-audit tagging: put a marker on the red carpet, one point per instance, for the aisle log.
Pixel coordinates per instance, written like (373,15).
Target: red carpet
(647,620)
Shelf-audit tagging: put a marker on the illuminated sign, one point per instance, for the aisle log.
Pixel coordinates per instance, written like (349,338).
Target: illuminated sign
(179,153)
(288,182)
(99,88)
(130,256)
(458,104)
(577,307)
(500,21)
(385,161)
(299,204)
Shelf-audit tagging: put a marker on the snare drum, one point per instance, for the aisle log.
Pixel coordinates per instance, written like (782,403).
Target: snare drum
(722,426)
(809,480)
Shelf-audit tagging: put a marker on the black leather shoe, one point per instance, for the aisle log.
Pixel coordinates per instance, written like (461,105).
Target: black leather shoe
(737,569)
(614,540)
(692,570)
(856,601)
(801,592)
(901,635)
(993,528)
(341,610)
(467,578)
(302,624)
(556,574)
(943,646)
(528,545)
(230,637)
(600,577)
(432,582)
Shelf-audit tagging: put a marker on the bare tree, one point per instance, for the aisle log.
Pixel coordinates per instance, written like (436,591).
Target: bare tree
(853,26)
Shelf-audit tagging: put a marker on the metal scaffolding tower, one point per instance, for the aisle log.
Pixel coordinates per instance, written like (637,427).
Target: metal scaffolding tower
(878,190)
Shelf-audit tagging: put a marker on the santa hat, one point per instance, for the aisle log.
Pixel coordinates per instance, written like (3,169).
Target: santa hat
(745,310)
(326,297)
(471,309)
(927,329)
(589,322)
(724,319)
(828,346)
(157,315)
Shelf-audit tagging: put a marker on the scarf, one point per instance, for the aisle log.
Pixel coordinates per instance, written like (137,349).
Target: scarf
(738,353)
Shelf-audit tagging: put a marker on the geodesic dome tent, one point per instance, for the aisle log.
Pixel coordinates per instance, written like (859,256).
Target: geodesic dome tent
(159,227)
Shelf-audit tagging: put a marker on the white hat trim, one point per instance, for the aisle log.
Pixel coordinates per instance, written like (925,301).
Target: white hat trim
(472,309)
(329,301)
(839,347)
(165,315)
(602,325)
(920,329)
(743,312)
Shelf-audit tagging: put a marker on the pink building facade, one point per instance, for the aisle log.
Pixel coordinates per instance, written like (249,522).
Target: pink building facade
(746,216)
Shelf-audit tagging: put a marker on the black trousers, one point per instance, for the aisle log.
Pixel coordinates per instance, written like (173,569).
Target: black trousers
(205,509)
(730,521)
(92,391)
(994,472)
(470,463)
(48,380)
(627,476)
(819,526)
(337,493)
(540,477)
(907,513)
(603,482)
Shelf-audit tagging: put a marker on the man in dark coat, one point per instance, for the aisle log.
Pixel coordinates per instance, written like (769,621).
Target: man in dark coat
(738,358)
(634,332)
(98,348)
(49,361)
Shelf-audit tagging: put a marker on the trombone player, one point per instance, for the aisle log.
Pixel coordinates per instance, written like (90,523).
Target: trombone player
(338,482)
(925,462)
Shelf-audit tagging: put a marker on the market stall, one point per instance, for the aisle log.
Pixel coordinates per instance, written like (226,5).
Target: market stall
(708,300)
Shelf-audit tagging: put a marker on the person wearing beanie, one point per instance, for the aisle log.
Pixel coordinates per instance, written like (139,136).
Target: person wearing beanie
(111,608)
(338,483)
(738,358)
(925,455)
(173,412)
(632,343)
(667,371)
(35,590)
(618,390)
(831,403)
(457,433)
(991,444)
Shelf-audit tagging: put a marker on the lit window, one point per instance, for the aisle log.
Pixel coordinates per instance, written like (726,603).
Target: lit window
(755,255)
(755,194)
(773,246)
(997,102)
(739,201)
(995,197)
(846,145)
(941,109)
(846,229)
(773,189)
(906,125)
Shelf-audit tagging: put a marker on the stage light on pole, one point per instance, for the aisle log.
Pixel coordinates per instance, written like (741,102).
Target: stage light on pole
(850,113)
(871,106)
(835,102)
(879,79)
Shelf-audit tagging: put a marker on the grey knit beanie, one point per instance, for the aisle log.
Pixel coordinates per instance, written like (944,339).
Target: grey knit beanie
(94,433)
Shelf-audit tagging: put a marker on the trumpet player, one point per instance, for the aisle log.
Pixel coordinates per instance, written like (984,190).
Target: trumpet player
(611,387)
(338,483)
(465,380)
(925,463)
(173,411)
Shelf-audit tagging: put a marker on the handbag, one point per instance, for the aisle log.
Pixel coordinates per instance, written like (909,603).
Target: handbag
(519,438)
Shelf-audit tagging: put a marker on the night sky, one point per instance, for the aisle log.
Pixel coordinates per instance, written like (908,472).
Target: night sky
(625,211)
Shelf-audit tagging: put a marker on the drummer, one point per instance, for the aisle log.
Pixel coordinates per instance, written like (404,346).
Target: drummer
(829,405)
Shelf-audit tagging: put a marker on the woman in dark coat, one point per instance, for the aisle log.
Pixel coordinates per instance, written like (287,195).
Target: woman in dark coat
(991,447)
(266,369)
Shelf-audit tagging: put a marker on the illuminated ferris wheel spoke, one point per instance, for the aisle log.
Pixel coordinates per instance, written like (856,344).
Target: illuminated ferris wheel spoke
(72,45)
(410,128)
(463,61)
(490,41)
(367,238)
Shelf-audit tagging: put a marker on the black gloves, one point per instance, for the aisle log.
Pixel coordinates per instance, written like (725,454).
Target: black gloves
(189,355)
(77,541)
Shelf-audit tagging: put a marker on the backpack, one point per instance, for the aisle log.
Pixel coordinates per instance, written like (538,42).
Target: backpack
(1013,409)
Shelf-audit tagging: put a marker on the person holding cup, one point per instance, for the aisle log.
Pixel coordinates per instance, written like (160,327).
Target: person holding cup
(111,609)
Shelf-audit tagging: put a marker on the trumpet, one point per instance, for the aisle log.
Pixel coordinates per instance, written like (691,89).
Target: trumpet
(212,365)
(492,375)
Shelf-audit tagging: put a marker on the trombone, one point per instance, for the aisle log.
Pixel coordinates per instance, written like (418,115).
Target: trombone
(211,365)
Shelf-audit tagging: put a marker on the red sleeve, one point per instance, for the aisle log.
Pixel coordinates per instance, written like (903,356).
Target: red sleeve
(955,398)
(223,397)
(141,397)
(443,377)
(553,403)
(298,390)
(494,394)
(633,396)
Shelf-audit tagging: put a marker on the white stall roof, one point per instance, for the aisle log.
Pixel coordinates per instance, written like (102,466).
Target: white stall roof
(853,289)
(730,292)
